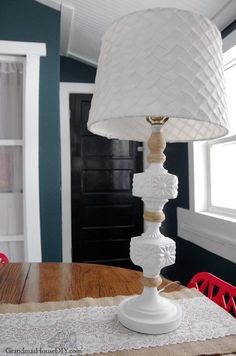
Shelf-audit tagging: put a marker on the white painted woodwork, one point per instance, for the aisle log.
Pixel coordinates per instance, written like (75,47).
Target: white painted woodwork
(65,90)
(54,4)
(11,238)
(67,13)
(16,48)
(32,243)
(229,41)
(213,232)
(92,18)
(226,15)
(20,237)
(11,142)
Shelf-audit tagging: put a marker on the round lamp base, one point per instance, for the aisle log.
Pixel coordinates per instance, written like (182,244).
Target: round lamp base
(157,316)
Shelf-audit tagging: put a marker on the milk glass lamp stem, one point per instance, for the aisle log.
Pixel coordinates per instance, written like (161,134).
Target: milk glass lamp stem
(149,312)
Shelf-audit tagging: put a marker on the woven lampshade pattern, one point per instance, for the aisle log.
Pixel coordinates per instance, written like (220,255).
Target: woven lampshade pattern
(160,62)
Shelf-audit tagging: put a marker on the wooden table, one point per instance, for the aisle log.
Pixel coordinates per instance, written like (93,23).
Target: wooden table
(42,282)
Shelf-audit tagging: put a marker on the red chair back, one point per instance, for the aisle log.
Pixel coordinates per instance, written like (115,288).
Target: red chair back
(3,258)
(216,289)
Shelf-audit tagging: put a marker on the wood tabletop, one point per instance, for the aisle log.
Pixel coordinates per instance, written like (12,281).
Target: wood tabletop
(42,282)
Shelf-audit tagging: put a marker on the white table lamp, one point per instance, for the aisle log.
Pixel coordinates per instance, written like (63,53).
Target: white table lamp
(160,77)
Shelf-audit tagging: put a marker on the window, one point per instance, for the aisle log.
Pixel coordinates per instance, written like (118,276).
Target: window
(210,221)
(19,177)
(222,152)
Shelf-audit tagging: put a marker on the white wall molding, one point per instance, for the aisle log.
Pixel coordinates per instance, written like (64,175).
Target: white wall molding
(225,16)
(54,4)
(198,160)
(210,232)
(229,42)
(22,48)
(67,14)
(11,238)
(65,90)
(83,59)
(32,231)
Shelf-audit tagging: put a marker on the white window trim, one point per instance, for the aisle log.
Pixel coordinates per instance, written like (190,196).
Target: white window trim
(65,90)
(31,52)
(225,212)
(211,228)
(16,48)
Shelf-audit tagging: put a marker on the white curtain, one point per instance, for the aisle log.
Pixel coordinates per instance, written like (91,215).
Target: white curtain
(11,95)
(11,78)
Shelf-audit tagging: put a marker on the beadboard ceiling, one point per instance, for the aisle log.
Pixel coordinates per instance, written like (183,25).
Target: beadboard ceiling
(83,22)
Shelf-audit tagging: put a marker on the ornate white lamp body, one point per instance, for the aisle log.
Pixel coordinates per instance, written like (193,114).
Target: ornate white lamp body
(150,312)
(160,76)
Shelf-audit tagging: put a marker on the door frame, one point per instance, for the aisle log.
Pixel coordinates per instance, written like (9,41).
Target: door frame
(65,90)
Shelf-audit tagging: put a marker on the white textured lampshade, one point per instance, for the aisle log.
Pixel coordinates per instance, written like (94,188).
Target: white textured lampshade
(160,62)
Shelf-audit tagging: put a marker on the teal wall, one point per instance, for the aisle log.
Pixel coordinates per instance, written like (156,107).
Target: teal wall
(75,71)
(27,20)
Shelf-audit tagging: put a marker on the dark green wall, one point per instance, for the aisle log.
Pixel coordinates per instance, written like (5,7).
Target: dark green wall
(29,21)
(75,71)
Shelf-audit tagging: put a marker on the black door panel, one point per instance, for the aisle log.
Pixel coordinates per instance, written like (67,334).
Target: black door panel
(105,215)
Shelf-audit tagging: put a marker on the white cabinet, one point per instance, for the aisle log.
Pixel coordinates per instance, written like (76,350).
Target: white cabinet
(19,167)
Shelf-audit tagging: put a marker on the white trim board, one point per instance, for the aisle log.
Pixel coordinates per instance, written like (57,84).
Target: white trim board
(65,90)
(22,48)
(213,234)
(54,4)
(229,41)
(67,14)
(32,229)
(225,16)
(82,59)
(11,238)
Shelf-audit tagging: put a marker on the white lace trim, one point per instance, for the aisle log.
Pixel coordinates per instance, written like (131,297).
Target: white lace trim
(89,330)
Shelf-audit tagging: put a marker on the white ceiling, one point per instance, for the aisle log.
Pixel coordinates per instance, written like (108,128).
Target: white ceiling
(83,22)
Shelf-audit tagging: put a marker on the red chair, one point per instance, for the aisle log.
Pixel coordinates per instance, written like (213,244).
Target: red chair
(3,258)
(219,291)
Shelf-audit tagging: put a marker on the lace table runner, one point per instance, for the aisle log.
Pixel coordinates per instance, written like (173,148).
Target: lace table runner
(89,330)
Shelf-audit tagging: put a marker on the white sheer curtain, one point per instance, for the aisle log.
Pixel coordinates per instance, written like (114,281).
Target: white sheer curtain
(11,77)
(11,94)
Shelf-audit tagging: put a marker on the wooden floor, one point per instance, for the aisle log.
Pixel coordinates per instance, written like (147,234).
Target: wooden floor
(41,282)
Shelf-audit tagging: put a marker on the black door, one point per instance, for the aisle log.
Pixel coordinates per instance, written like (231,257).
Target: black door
(105,215)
